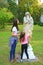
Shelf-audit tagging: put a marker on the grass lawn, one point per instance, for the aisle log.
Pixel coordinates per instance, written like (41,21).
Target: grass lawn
(36,42)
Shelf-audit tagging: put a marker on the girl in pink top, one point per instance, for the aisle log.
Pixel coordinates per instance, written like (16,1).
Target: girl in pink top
(24,43)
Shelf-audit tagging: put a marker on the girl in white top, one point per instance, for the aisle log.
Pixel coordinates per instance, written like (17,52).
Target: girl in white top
(14,39)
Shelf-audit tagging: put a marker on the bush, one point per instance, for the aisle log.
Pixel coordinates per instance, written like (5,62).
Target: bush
(40,23)
(5,16)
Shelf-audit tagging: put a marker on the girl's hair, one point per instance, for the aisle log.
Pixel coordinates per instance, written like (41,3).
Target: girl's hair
(15,24)
(22,36)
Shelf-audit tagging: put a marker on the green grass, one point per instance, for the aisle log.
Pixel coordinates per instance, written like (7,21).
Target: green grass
(36,42)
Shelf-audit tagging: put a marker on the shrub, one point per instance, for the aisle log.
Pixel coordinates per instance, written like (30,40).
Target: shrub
(5,16)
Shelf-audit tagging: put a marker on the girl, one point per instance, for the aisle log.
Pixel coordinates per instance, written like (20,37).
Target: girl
(24,42)
(13,39)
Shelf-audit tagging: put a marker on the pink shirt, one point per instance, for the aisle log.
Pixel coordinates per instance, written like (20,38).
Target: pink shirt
(26,39)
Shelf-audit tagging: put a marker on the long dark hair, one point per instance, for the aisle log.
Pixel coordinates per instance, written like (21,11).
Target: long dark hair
(15,24)
(22,36)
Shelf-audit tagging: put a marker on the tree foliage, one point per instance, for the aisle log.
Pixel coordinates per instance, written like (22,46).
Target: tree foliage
(5,16)
(3,3)
(13,7)
(31,6)
(23,6)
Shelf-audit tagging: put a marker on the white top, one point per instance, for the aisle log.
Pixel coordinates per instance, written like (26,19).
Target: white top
(14,30)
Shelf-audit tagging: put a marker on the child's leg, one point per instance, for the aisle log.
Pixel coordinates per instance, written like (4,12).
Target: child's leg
(22,49)
(11,53)
(14,46)
(14,53)
(26,51)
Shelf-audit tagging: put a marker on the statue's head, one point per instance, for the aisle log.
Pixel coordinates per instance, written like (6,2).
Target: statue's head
(27,14)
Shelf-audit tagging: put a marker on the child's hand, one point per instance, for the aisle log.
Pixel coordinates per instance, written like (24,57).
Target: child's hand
(18,33)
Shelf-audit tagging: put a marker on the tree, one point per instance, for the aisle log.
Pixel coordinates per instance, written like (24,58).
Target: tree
(13,7)
(3,3)
(23,6)
(5,16)
(31,6)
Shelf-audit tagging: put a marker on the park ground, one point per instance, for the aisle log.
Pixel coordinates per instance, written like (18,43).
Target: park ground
(36,42)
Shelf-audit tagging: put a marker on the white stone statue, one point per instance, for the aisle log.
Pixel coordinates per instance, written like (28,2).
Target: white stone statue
(28,23)
(28,27)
